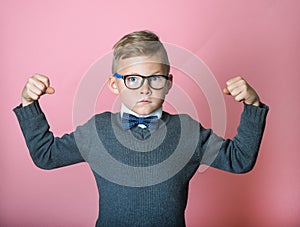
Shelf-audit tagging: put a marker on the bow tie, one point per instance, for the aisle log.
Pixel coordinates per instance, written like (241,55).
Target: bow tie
(129,121)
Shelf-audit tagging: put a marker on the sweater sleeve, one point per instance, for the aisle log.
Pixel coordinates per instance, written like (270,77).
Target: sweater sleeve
(239,154)
(47,151)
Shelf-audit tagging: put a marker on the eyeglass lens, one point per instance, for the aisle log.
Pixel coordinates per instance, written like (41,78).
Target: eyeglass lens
(136,81)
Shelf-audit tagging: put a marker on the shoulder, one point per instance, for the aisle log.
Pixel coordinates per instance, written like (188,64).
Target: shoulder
(181,120)
(100,118)
(106,119)
(181,117)
(104,115)
(95,123)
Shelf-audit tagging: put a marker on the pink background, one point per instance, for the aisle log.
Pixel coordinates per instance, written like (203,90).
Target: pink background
(257,39)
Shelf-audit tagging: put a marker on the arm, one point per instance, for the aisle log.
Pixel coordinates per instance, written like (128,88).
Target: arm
(239,154)
(46,151)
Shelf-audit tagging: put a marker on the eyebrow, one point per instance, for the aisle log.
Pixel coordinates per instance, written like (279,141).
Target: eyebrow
(155,73)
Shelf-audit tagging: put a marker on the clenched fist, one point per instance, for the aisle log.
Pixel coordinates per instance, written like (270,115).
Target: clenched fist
(238,88)
(36,86)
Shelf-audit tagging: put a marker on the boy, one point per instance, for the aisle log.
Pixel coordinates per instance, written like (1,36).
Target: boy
(142,138)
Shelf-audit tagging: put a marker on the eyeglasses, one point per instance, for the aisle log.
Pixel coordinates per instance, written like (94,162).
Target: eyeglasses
(156,82)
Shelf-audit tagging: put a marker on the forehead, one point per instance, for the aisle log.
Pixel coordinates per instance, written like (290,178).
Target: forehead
(141,64)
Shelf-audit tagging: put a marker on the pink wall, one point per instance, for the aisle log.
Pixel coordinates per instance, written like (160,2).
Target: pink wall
(258,39)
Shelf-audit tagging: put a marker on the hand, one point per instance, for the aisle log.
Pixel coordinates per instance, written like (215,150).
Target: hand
(36,86)
(238,88)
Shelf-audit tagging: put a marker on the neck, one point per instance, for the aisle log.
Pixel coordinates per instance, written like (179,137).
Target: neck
(125,109)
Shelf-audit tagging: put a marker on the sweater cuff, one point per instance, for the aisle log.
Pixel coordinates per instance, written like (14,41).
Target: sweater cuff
(28,112)
(257,114)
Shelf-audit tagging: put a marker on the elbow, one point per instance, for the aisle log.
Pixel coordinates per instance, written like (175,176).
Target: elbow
(42,162)
(42,165)
(243,171)
(244,161)
(244,168)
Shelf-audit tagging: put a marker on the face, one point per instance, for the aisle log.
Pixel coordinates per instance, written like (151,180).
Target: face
(145,99)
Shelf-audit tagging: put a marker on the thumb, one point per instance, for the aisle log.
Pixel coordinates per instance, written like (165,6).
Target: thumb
(226,91)
(50,90)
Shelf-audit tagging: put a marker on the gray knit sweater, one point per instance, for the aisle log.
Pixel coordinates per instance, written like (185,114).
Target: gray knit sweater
(143,175)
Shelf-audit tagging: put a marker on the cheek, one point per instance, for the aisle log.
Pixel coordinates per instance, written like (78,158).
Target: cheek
(161,94)
(127,97)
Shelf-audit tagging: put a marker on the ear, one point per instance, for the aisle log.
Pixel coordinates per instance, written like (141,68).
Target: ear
(112,85)
(169,84)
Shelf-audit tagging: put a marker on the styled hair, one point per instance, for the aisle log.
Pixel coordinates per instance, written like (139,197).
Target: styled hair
(139,43)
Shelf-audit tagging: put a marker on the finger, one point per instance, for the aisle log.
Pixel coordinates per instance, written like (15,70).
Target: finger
(46,83)
(32,96)
(37,83)
(235,91)
(34,89)
(226,91)
(50,90)
(237,87)
(234,80)
(44,79)
(240,97)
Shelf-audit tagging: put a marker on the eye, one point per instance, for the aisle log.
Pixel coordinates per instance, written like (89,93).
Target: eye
(132,79)
(156,78)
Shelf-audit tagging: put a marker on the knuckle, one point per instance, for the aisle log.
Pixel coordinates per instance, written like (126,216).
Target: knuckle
(41,77)
(42,86)
(30,80)
(230,88)
(28,86)
(232,91)
(34,77)
(243,82)
(44,78)
(39,92)
(237,98)
(31,95)
(37,75)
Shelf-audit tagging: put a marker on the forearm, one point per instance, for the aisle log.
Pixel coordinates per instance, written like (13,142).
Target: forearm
(47,151)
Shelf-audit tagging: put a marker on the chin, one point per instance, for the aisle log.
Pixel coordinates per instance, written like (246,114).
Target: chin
(144,111)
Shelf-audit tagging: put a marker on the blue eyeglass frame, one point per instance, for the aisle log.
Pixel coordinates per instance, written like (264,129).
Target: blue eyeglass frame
(167,77)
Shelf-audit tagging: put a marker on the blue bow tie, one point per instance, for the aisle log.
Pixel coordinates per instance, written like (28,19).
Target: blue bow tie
(129,121)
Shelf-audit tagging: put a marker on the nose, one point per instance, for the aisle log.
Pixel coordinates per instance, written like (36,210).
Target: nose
(145,89)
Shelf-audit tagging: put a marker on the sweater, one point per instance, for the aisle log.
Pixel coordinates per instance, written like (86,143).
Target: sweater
(143,175)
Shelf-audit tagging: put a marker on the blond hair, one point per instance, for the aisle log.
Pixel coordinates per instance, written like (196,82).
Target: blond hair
(139,43)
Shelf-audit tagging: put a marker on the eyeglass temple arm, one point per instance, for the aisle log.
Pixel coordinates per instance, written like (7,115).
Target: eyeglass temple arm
(118,76)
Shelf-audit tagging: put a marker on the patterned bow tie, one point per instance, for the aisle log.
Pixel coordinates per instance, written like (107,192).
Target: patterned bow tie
(129,121)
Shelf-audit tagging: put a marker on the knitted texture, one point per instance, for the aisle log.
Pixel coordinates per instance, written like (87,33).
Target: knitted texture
(137,185)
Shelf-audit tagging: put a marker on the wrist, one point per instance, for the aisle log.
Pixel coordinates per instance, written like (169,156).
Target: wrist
(26,102)
(256,103)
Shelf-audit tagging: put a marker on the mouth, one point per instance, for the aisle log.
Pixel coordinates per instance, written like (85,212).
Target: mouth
(145,101)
